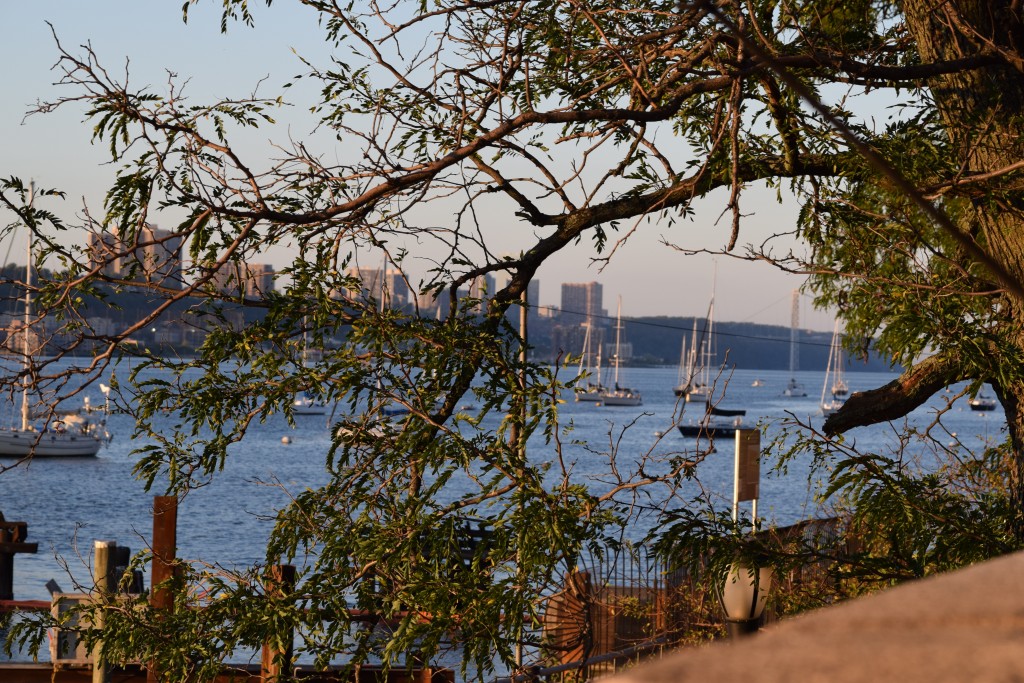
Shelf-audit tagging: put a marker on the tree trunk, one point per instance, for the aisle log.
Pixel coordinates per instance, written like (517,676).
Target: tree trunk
(982,112)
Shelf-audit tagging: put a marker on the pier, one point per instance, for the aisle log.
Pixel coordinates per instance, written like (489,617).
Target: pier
(72,663)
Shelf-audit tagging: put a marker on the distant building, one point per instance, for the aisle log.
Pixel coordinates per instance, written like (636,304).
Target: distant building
(152,256)
(379,284)
(582,302)
(19,339)
(251,280)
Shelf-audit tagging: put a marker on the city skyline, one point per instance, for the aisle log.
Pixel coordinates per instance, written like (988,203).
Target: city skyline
(647,268)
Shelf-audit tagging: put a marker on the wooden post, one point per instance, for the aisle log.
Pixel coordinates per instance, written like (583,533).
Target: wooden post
(12,540)
(103,569)
(6,565)
(276,663)
(164,549)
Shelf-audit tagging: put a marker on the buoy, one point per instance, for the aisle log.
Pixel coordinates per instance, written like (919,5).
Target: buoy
(286,439)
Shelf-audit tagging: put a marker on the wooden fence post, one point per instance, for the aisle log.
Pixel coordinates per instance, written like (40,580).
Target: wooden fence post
(12,540)
(276,663)
(164,549)
(102,568)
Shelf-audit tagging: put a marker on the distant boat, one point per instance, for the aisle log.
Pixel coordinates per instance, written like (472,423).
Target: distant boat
(715,422)
(757,382)
(70,434)
(304,404)
(697,385)
(982,402)
(793,388)
(834,390)
(619,395)
(589,390)
(685,369)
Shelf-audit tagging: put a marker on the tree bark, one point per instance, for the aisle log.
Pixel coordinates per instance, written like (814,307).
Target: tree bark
(982,111)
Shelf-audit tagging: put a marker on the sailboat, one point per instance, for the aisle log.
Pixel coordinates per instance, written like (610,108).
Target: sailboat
(305,403)
(794,388)
(70,434)
(715,421)
(589,390)
(687,367)
(620,396)
(835,383)
(982,402)
(683,382)
(702,357)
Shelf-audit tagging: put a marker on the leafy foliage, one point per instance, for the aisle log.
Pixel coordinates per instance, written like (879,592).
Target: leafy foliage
(580,118)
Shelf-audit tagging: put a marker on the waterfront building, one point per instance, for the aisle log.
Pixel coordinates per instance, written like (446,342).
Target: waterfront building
(251,280)
(379,283)
(151,255)
(582,302)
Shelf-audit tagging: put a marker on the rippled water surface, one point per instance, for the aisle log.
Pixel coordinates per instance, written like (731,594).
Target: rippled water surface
(69,503)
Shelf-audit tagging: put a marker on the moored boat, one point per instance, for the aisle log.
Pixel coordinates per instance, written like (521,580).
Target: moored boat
(304,404)
(793,388)
(715,422)
(68,433)
(587,390)
(620,395)
(982,402)
(834,390)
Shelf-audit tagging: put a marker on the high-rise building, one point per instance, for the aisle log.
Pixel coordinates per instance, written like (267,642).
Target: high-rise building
(482,287)
(153,256)
(387,285)
(251,280)
(582,302)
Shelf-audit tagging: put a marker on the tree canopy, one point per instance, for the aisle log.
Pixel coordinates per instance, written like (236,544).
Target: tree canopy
(582,118)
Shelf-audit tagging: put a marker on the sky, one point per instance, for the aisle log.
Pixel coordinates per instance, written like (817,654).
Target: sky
(149,40)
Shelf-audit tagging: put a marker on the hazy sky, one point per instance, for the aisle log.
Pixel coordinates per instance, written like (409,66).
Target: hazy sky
(150,39)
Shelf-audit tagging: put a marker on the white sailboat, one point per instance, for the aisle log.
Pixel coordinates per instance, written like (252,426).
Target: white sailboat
(834,390)
(702,356)
(589,390)
(982,402)
(794,388)
(619,395)
(305,403)
(688,366)
(685,371)
(70,434)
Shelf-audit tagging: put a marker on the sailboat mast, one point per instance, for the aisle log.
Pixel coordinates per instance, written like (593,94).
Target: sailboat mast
(584,362)
(794,358)
(618,335)
(831,361)
(26,343)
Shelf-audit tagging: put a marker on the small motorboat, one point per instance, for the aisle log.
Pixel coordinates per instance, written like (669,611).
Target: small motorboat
(982,402)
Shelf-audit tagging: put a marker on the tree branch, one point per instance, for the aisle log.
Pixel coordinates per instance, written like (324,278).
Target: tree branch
(897,398)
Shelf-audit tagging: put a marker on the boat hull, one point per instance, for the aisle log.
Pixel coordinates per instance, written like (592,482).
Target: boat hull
(15,443)
(828,409)
(698,394)
(304,405)
(622,398)
(709,430)
(588,396)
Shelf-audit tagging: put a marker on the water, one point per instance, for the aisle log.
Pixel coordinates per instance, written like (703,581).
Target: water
(70,503)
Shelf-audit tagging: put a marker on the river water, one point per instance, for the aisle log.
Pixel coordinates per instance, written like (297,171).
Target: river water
(69,503)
